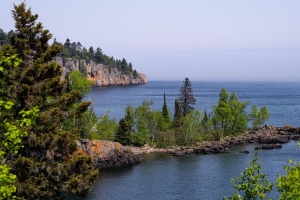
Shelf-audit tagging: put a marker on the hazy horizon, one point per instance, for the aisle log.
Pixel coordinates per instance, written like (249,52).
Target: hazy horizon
(169,40)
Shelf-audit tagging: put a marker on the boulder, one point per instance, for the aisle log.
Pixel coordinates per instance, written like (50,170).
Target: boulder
(107,154)
(296,137)
(267,146)
(246,152)
(271,146)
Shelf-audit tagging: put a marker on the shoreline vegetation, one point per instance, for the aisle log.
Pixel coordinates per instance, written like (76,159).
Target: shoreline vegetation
(108,154)
(52,142)
(267,137)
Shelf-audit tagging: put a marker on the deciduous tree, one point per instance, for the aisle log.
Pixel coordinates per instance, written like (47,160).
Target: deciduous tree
(258,117)
(80,82)
(251,184)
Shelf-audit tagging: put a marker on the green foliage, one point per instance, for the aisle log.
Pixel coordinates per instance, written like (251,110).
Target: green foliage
(80,82)
(251,184)
(106,129)
(77,51)
(258,117)
(145,123)
(191,127)
(4,37)
(165,111)
(229,115)
(11,135)
(186,98)
(123,133)
(177,119)
(288,185)
(36,82)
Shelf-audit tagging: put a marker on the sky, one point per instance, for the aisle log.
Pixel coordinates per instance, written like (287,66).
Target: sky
(204,40)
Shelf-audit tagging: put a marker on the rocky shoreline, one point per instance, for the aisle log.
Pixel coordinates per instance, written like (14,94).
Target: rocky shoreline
(108,154)
(268,136)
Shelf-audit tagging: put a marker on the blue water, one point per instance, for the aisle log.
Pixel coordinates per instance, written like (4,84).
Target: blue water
(281,99)
(196,176)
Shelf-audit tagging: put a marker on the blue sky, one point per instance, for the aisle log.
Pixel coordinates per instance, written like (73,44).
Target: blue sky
(205,40)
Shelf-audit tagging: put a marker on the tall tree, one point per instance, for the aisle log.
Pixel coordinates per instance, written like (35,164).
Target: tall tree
(44,166)
(165,111)
(123,135)
(99,55)
(67,44)
(229,114)
(186,98)
(177,119)
(91,53)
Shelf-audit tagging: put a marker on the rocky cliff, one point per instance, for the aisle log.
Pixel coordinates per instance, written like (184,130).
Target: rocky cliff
(100,74)
(107,154)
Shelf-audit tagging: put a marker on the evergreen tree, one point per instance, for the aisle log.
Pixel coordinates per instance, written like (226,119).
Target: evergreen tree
(67,44)
(44,166)
(3,37)
(177,115)
(91,53)
(99,55)
(165,110)
(129,118)
(204,121)
(135,75)
(186,98)
(123,135)
(130,67)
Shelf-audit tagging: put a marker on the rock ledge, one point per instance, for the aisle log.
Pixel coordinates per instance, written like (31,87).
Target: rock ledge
(107,154)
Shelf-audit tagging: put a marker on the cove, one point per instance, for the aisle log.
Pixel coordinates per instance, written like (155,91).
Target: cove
(162,176)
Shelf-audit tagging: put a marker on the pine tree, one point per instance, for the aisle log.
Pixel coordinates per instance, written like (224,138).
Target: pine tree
(177,115)
(204,121)
(123,134)
(186,98)
(44,166)
(135,74)
(165,110)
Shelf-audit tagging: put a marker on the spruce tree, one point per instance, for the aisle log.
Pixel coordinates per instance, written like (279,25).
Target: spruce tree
(122,135)
(186,98)
(165,110)
(177,115)
(44,166)
(204,121)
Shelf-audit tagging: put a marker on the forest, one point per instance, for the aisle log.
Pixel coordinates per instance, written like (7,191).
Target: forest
(42,116)
(75,50)
(187,126)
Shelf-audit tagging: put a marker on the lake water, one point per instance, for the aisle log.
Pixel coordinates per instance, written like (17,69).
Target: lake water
(195,176)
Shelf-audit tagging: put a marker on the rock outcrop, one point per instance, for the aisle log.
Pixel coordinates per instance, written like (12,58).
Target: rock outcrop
(107,154)
(100,74)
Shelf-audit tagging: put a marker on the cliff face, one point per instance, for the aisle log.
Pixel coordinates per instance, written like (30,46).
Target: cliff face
(99,73)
